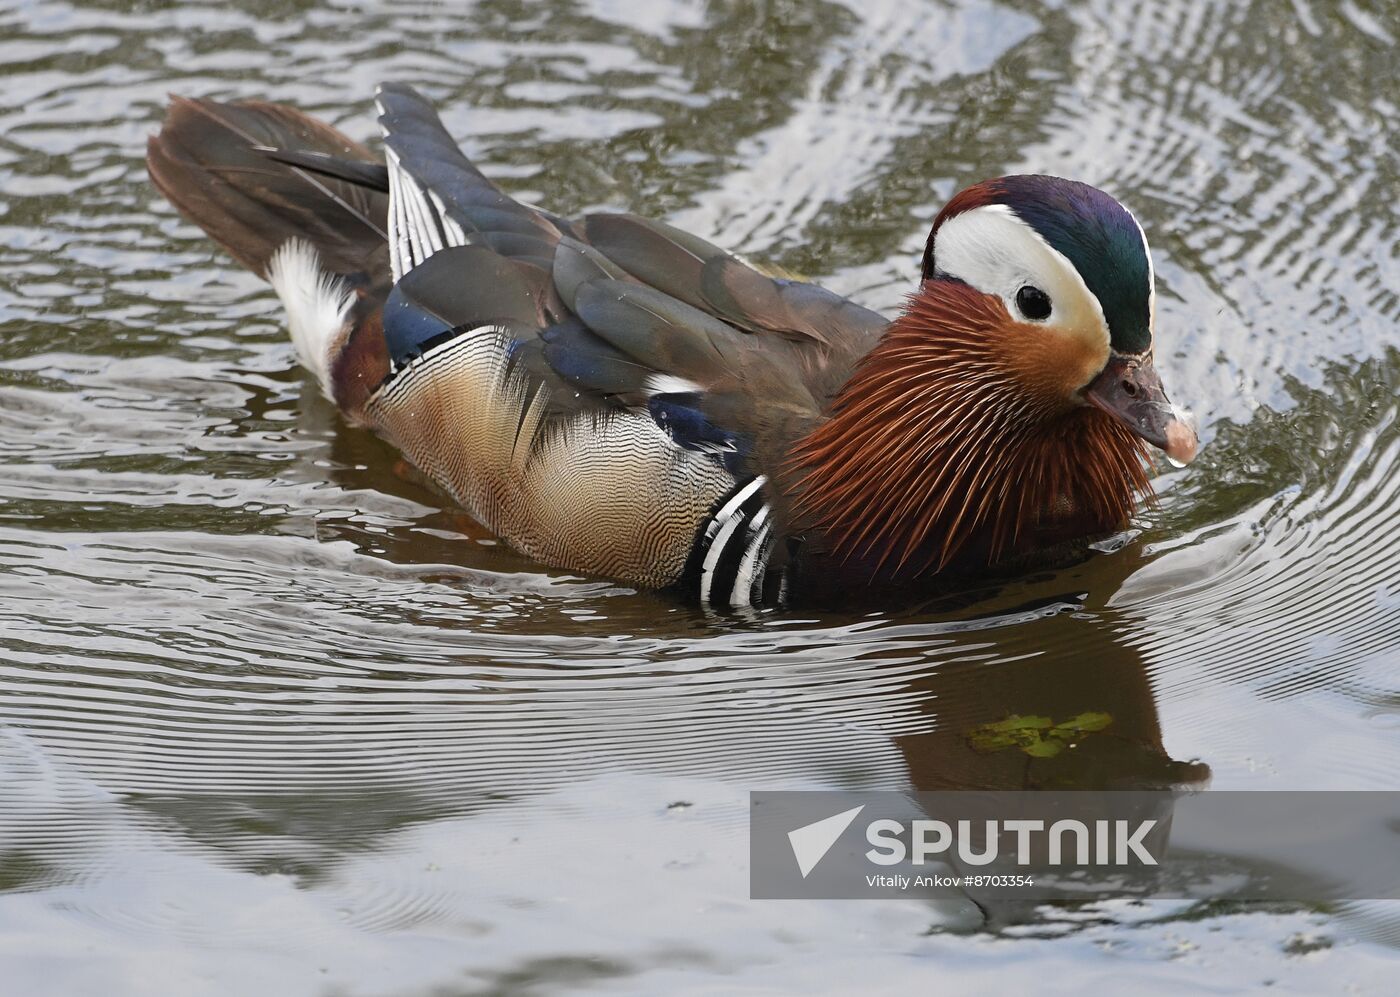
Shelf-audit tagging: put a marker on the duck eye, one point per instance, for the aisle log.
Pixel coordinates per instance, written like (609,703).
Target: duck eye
(1033,303)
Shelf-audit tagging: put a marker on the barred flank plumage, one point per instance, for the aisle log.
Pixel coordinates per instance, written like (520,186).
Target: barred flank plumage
(606,492)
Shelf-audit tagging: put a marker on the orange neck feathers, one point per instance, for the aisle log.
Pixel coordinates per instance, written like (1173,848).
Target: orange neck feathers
(957,441)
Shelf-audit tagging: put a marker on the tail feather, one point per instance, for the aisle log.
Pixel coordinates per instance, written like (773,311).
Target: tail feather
(375,176)
(318,307)
(208,160)
(317,237)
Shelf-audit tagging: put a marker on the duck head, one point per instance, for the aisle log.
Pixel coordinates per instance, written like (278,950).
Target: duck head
(1011,404)
(1072,268)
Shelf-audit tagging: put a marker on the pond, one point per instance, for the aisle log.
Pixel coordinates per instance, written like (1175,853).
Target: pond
(276,718)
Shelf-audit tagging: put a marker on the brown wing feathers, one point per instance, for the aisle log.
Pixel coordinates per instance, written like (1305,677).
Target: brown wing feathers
(207,163)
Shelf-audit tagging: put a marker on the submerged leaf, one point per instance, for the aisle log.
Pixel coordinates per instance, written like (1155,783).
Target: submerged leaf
(1037,736)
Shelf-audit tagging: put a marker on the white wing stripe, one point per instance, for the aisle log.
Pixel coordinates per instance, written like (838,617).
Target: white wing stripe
(419,225)
(451,230)
(399,252)
(425,224)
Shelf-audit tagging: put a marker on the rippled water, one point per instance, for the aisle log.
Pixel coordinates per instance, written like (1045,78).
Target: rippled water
(273,718)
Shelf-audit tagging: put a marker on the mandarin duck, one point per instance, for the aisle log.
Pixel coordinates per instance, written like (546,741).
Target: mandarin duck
(616,397)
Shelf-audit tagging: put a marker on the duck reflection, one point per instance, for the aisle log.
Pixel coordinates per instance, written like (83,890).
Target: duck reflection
(1063,705)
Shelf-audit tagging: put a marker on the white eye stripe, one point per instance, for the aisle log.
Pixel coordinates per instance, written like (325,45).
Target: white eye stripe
(993,250)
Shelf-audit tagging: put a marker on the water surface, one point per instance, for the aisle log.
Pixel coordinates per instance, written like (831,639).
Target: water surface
(274,718)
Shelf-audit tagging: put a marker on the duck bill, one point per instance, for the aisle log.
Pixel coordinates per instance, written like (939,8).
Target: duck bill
(1130,390)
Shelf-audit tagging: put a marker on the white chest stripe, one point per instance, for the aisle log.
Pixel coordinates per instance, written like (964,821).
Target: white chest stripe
(754,561)
(712,556)
(729,508)
(736,543)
